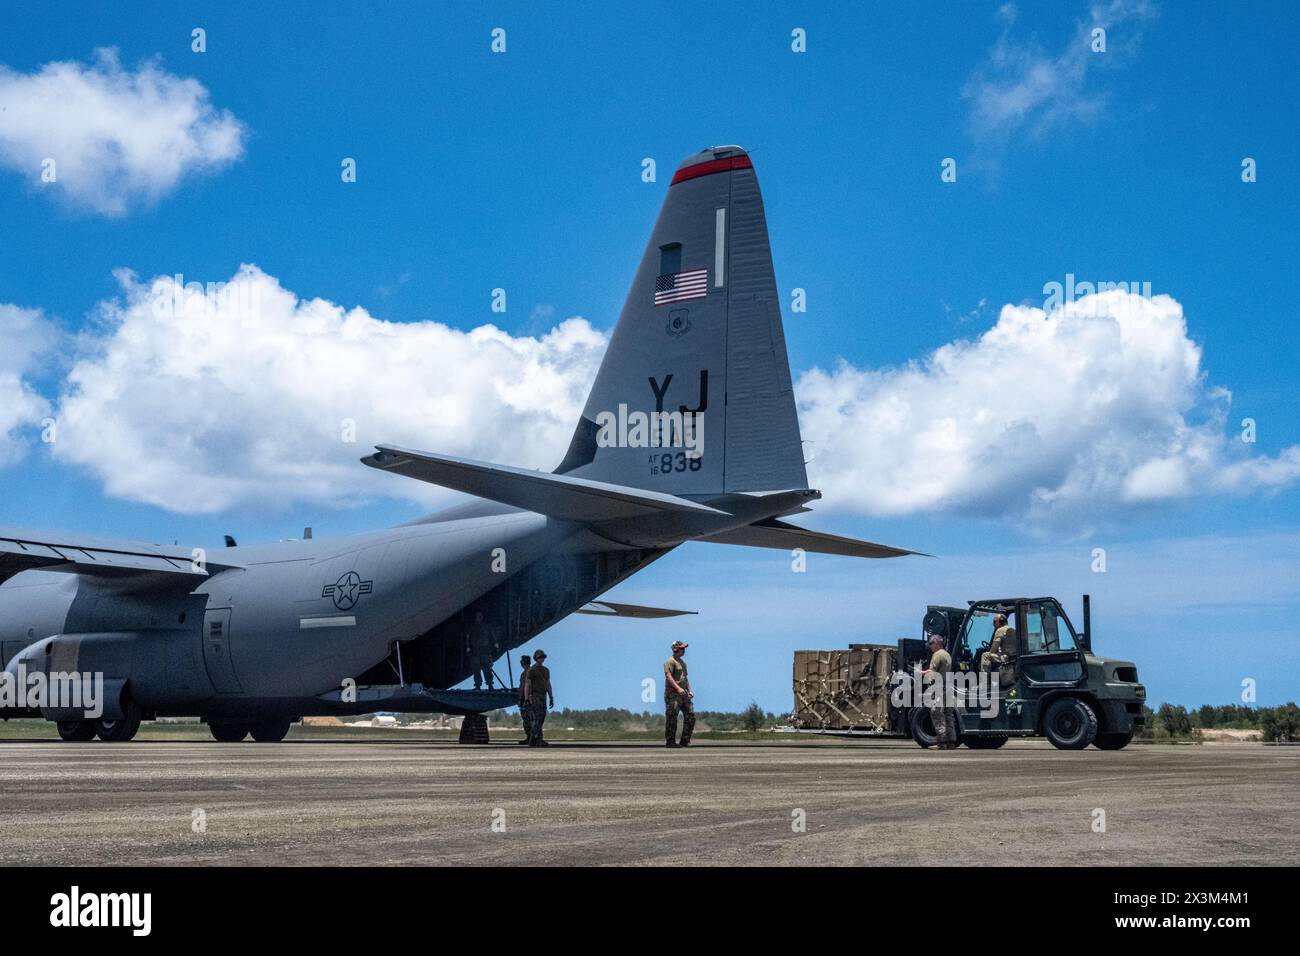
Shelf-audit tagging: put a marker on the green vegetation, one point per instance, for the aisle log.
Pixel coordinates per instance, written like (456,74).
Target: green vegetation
(752,717)
(1173,722)
(1229,716)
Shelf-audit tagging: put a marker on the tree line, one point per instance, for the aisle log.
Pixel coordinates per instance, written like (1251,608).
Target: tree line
(613,719)
(1171,721)
(1274,724)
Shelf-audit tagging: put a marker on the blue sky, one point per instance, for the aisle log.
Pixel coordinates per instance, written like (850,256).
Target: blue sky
(522,170)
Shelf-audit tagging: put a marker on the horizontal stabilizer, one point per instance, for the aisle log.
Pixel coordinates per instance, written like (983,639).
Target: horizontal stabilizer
(559,496)
(610,609)
(21,552)
(778,534)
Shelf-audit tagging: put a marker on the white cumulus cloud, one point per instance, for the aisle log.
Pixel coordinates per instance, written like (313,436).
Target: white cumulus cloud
(27,336)
(117,138)
(247,396)
(199,401)
(1069,415)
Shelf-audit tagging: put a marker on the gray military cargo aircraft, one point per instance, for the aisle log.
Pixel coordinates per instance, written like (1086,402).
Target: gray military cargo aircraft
(266,635)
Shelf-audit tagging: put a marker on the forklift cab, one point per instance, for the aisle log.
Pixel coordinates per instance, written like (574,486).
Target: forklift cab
(1048,655)
(1048,649)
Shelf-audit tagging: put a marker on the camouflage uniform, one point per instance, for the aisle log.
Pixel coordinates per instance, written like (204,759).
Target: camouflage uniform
(539,685)
(480,644)
(525,708)
(943,715)
(992,658)
(1004,638)
(678,702)
(1001,655)
(536,716)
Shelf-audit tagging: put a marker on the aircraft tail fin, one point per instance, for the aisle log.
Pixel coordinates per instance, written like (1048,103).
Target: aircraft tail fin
(694,394)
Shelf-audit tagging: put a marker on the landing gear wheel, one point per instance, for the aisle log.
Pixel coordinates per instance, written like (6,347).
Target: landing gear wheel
(1113,741)
(117,731)
(984,743)
(923,728)
(77,730)
(270,731)
(1070,724)
(227,732)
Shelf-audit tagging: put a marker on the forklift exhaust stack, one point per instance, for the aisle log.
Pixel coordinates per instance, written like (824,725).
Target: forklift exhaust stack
(1087,623)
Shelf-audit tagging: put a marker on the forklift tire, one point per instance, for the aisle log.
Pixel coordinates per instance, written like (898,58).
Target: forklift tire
(922,728)
(1070,724)
(1112,741)
(984,743)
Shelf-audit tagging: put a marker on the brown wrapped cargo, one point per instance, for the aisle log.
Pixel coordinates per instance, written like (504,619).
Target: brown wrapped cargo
(844,689)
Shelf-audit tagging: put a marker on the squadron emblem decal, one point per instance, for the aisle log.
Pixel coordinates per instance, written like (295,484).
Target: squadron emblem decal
(679,322)
(347,590)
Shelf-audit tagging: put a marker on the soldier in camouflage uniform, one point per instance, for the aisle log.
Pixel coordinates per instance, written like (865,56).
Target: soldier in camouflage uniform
(1008,645)
(678,697)
(525,707)
(539,688)
(996,656)
(942,713)
(481,648)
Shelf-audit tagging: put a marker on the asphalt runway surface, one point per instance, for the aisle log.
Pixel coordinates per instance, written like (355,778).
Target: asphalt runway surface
(395,802)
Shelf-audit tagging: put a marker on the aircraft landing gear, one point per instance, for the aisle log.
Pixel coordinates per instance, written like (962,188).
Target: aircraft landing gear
(78,731)
(117,731)
(270,731)
(123,729)
(227,731)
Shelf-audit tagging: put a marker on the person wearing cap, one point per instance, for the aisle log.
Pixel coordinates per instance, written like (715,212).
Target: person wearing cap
(539,689)
(677,697)
(525,707)
(1002,652)
(992,659)
(942,714)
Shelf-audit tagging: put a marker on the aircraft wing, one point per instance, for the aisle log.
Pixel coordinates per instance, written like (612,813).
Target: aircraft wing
(774,533)
(570,499)
(24,551)
(610,609)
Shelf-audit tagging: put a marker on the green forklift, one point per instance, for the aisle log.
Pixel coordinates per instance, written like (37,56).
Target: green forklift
(1053,685)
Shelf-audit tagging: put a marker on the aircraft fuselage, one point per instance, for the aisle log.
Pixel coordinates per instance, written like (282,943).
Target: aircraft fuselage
(297,620)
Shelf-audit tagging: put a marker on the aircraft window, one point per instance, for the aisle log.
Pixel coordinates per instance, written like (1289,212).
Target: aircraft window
(670,259)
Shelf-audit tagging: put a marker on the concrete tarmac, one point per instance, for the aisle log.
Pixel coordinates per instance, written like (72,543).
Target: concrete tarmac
(395,802)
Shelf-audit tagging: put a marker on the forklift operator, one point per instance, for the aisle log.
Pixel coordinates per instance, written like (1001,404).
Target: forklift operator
(1003,651)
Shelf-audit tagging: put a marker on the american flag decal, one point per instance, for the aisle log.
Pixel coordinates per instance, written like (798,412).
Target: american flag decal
(681,285)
